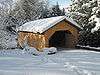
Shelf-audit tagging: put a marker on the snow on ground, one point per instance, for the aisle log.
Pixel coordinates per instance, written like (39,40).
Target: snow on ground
(66,62)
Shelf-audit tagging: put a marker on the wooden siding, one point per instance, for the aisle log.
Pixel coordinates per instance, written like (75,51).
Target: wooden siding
(33,40)
(63,25)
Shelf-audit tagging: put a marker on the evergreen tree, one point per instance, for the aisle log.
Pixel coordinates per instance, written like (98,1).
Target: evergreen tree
(45,12)
(52,12)
(86,13)
(56,11)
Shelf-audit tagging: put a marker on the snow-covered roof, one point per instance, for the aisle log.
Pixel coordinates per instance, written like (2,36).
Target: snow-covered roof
(41,25)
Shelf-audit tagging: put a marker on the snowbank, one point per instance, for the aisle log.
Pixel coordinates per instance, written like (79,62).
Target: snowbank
(89,48)
(34,51)
(51,50)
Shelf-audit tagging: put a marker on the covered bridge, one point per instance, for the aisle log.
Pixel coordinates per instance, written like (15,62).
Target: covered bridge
(49,32)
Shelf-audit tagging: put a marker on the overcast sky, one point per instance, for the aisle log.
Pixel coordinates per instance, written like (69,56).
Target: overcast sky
(62,3)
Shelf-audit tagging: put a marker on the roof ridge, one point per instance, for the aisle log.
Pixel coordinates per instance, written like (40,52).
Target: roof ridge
(41,25)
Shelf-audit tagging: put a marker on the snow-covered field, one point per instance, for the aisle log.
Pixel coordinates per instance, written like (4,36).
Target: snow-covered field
(72,62)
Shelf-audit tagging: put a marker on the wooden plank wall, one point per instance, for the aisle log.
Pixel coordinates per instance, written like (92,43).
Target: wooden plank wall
(33,40)
(63,25)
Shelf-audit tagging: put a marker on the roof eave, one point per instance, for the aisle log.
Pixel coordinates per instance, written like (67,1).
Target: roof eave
(79,28)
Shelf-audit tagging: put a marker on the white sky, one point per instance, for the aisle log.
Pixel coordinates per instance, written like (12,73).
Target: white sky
(62,3)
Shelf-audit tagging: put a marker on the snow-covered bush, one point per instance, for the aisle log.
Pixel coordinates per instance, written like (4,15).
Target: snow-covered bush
(7,40)
(31,50)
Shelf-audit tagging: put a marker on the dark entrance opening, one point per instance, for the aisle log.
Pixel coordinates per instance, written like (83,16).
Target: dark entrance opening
(58,39)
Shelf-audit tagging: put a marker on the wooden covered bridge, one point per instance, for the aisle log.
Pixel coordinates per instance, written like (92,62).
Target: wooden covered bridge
(49,32)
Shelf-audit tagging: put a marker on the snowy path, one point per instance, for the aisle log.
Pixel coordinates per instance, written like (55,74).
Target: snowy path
(76,62)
